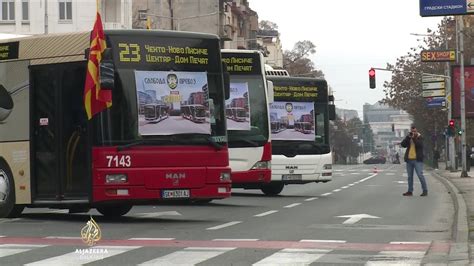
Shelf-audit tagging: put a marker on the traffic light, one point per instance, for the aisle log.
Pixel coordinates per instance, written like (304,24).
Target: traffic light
(459,132)
(450,128)
(451,123)
(372,78)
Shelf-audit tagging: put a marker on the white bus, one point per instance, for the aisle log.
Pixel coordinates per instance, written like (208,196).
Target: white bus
(248,123)
(300,150)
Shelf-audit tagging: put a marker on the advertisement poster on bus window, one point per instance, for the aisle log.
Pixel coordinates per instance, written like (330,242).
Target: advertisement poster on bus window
(237,108)
(172,102)
(292,121)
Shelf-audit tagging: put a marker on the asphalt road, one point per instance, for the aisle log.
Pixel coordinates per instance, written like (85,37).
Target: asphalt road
(302,226)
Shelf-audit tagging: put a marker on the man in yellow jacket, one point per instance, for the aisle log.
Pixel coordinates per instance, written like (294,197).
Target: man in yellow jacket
(414,159)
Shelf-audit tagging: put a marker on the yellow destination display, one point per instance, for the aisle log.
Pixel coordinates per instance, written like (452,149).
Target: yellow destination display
(295,91)
(242,64)
(9,51)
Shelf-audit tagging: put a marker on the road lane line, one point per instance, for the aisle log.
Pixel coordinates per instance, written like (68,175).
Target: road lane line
(344,187)
(152,238)
(235,239)
(12,249)
(323,241)
(336,190)
(188,256)
(397,258)
(265,213)
(62,237)
(292,205)
(289,256)
(326,194)
(311,199)
(75,258)
(410,243)
(223,225)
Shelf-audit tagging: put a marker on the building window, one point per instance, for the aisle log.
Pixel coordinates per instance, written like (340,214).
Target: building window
(65,9)
(25,7)
(8,9)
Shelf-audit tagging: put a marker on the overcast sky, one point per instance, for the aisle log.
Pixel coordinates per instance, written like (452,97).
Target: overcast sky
(350,37)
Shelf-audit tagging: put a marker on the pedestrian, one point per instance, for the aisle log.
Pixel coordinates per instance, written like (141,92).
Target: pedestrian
(414,160)
(397,158)
(436,157)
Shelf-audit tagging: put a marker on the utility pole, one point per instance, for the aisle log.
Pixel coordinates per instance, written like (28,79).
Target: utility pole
(463,99)
(45,16)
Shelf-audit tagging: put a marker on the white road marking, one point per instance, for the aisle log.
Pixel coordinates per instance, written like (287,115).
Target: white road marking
(156,214)
(410,243)
(326,194)
(322,241)
(188,256)
(354,173)
(265,213)
(236,239)
(290,256)
(152,238)
(336,190)
(62,237)
(12,249)
(351,185)
(344,187)
(311,199)
(74,258)
(292,205)
(397,258)
(354,218)
(223,225)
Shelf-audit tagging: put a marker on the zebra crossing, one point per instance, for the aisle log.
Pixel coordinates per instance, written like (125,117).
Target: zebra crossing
(339,253)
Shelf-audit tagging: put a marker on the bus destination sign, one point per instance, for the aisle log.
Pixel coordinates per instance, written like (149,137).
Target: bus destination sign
(154,51)
(9,51)
(242,63)
(299,89)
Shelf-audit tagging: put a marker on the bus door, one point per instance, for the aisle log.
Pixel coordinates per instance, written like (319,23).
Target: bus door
(60,140)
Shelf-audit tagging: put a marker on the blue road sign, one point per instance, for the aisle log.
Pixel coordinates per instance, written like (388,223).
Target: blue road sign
(435,102)
(429,8)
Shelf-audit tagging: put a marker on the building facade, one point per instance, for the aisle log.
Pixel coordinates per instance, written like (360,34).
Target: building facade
(232,20)
(389,126)
(346,114)
(31,17)
(269,41)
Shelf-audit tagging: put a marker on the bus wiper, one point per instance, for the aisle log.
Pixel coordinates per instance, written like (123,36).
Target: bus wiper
(251,142)
(206,137)
(138,142)
(214,143)
(129,145)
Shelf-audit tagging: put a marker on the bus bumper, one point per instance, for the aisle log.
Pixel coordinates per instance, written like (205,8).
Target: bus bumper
(142,194)
(250,177)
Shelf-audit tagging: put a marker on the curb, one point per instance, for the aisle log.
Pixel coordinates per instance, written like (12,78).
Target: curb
(459,252)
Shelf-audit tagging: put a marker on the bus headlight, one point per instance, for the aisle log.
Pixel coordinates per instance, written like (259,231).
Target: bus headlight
(262,165)
(116,179)
(225,177)
(327,166)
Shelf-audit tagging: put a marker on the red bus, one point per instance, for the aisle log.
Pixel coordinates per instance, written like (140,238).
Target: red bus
(52,156)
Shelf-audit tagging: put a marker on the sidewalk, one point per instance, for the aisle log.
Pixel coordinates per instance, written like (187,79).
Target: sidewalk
(464,228)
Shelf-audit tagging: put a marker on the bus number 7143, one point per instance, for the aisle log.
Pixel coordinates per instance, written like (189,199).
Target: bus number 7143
(119,161)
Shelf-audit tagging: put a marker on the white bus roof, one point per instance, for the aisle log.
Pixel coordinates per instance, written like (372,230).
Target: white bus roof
(6,36)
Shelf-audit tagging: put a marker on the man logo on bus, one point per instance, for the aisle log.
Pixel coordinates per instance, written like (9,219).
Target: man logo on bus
(289,107)
(172,81)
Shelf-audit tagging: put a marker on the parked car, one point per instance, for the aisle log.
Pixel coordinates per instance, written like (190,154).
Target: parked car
(376,160)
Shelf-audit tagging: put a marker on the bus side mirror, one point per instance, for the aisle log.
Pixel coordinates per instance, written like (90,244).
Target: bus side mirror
(332,112)
(107,70)
(270,93)
(226,81)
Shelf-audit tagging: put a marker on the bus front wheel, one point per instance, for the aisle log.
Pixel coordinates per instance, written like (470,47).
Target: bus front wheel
(114,210)
(7,194)
(272,189)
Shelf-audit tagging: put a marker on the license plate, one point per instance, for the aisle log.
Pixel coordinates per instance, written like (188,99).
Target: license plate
(291,177)
(175,194)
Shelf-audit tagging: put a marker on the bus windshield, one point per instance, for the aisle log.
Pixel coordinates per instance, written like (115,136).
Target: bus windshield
(247,113)
(166,91)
